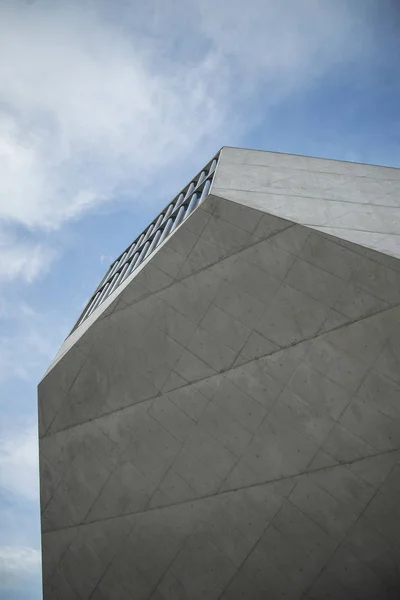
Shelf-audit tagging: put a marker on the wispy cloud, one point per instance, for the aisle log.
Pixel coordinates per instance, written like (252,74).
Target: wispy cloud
(19,491)
(288,42)
(29,342)
(96,103)
(17,565)
(23,259)
(19,461)
(87,112)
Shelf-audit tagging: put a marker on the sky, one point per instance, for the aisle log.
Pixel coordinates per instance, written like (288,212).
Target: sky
(107,108)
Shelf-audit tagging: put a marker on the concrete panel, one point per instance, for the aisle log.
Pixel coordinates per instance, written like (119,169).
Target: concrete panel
(359,203)
(230,427)
(261,540)
(55,386)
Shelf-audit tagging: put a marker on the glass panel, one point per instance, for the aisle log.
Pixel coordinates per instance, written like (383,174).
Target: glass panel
(205,190)
(89,308)
(194,200)
(114,283)
(133,262)
(189,191)
(158,222)
(100,298)
(140,241)
(131,251)
(201,178)
(105,277)
(166,230)
(119,278)
(113,269)
(109,288)
(169,210)
(154,242)
(148,233)
(179,201)
(126,273)
(178,218)
(143,253)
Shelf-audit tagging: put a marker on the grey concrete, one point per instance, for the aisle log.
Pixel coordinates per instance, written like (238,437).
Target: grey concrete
(355,202)
(228,425)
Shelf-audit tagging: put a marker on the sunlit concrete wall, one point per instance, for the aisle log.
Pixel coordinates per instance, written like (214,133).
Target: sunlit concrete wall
(228,425)
(356,202)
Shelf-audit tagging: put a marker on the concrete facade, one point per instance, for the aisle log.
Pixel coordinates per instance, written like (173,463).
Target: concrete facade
(228,424)
(356,202)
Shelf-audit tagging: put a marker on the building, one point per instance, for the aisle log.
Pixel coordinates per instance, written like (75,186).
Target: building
(224,420)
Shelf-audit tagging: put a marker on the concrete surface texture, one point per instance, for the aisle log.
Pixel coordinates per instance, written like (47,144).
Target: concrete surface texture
(357,202)
(228,425)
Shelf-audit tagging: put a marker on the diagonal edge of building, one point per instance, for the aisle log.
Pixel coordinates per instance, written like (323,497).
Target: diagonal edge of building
(228,424)
(356,202)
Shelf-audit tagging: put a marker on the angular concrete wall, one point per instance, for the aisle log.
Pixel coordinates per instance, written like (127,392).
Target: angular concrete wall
(356,202)
(229,427)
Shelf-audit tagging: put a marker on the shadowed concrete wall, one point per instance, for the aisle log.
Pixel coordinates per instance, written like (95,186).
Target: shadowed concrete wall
(229,425)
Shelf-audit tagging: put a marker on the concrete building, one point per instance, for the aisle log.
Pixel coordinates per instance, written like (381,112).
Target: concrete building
(224,420)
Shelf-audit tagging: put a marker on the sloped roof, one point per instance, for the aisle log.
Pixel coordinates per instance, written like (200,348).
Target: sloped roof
(342,199)
(356,202)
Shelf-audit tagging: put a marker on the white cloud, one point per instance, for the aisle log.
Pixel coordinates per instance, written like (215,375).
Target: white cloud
(19,461)
(286,42)
(94,103)
(23,259)
(20,354)
(28,341)
(85,112)
(28,346)
(18,564)
(19,483)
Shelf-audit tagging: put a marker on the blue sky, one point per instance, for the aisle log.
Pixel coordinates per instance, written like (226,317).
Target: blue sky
(106,110)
